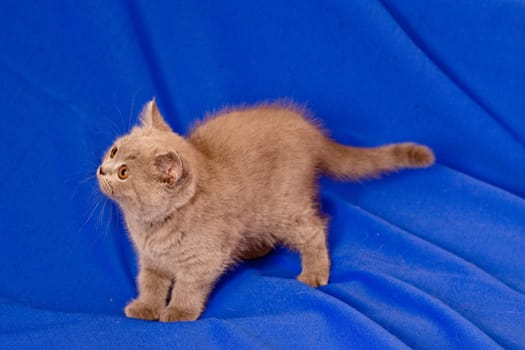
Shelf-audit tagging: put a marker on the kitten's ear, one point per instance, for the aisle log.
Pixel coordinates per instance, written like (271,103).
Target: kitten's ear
(151,117)
(169,166)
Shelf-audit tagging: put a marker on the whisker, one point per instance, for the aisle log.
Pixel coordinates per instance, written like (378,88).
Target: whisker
(91,213)
(90,171)
(88,178)
(131,110)
(80,180)
(101,216)
(111,217)
(102,212)
(116,129)
(118,110)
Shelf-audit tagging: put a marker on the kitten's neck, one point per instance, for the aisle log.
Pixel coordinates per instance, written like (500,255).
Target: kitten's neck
(143,226)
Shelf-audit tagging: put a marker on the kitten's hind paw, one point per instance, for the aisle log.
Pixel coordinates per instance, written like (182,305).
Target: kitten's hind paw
(141,310)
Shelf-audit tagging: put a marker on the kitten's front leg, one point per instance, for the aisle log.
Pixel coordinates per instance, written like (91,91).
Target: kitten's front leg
(188,298)
(153,289)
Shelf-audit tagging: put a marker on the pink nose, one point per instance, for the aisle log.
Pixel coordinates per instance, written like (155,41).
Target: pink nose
(101,171)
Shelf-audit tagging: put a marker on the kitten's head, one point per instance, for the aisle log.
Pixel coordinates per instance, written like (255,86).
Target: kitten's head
(148,171)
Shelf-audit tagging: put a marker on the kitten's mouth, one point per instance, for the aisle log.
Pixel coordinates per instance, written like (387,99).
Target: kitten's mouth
(106,187)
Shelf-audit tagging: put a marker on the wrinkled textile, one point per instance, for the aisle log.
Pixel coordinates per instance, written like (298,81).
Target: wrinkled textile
(426,259)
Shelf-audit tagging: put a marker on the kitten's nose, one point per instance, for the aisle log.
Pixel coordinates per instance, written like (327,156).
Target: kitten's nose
(101,171)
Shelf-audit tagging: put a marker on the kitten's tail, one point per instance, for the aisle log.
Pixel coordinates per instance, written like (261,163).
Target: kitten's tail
(354,163)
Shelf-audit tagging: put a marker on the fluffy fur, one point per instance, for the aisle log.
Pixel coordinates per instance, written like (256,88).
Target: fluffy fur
(243,181)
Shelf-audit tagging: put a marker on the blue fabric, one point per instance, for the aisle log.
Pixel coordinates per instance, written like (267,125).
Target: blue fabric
(423,259)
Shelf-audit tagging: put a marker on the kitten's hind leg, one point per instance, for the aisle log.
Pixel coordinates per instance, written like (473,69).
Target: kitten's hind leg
(308,237)
(256,253)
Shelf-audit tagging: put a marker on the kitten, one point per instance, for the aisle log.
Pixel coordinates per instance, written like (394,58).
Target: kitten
(240,183)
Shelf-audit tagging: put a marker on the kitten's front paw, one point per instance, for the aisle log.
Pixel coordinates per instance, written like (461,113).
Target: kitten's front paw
(140,310)
(313,280)
(172,314)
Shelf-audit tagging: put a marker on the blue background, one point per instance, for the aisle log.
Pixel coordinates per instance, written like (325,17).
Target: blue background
(425,259)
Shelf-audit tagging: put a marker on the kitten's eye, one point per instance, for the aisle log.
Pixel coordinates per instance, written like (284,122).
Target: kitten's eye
(113,152)
(123,172)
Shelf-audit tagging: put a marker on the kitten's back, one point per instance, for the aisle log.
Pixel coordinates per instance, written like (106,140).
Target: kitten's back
(263,128)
